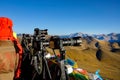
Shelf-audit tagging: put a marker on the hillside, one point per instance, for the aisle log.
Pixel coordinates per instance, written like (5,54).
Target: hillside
(85,56)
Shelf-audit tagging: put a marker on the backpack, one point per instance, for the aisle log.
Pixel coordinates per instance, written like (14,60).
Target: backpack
(8,57)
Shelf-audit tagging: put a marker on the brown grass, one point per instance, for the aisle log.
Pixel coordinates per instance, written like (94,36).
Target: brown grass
(85,56)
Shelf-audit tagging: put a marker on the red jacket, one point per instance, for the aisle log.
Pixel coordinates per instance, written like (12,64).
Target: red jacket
(6,33)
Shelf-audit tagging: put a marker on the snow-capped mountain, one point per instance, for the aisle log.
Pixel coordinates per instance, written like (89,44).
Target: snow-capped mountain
(112,37)
(74,35)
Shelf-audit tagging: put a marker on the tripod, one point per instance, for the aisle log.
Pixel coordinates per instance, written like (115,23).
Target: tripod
(39,61)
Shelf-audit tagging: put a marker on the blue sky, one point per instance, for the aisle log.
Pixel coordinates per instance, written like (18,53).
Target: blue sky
(63,16)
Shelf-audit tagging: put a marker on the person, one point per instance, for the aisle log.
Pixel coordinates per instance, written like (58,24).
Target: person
(10,51)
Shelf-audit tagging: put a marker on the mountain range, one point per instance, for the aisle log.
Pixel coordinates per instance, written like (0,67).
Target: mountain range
(111,37)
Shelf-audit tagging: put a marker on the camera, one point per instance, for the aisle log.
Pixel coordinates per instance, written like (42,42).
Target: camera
(54,42)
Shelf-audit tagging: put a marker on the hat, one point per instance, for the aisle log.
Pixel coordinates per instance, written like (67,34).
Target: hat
(5,27)
(4,21)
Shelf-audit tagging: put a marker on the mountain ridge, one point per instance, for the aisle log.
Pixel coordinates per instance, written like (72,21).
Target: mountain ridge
(111,37)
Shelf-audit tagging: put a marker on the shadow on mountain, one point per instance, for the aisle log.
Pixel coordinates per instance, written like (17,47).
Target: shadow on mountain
(115,50)
(115,47)
(99,54)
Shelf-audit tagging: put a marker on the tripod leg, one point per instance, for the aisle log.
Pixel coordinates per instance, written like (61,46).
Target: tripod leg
(63,75)
(47,68)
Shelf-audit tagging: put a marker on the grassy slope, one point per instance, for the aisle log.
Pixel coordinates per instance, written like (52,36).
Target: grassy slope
(85,56)
(109,65)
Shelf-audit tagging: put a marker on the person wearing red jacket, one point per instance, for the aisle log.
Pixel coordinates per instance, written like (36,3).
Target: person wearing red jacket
(10,51)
